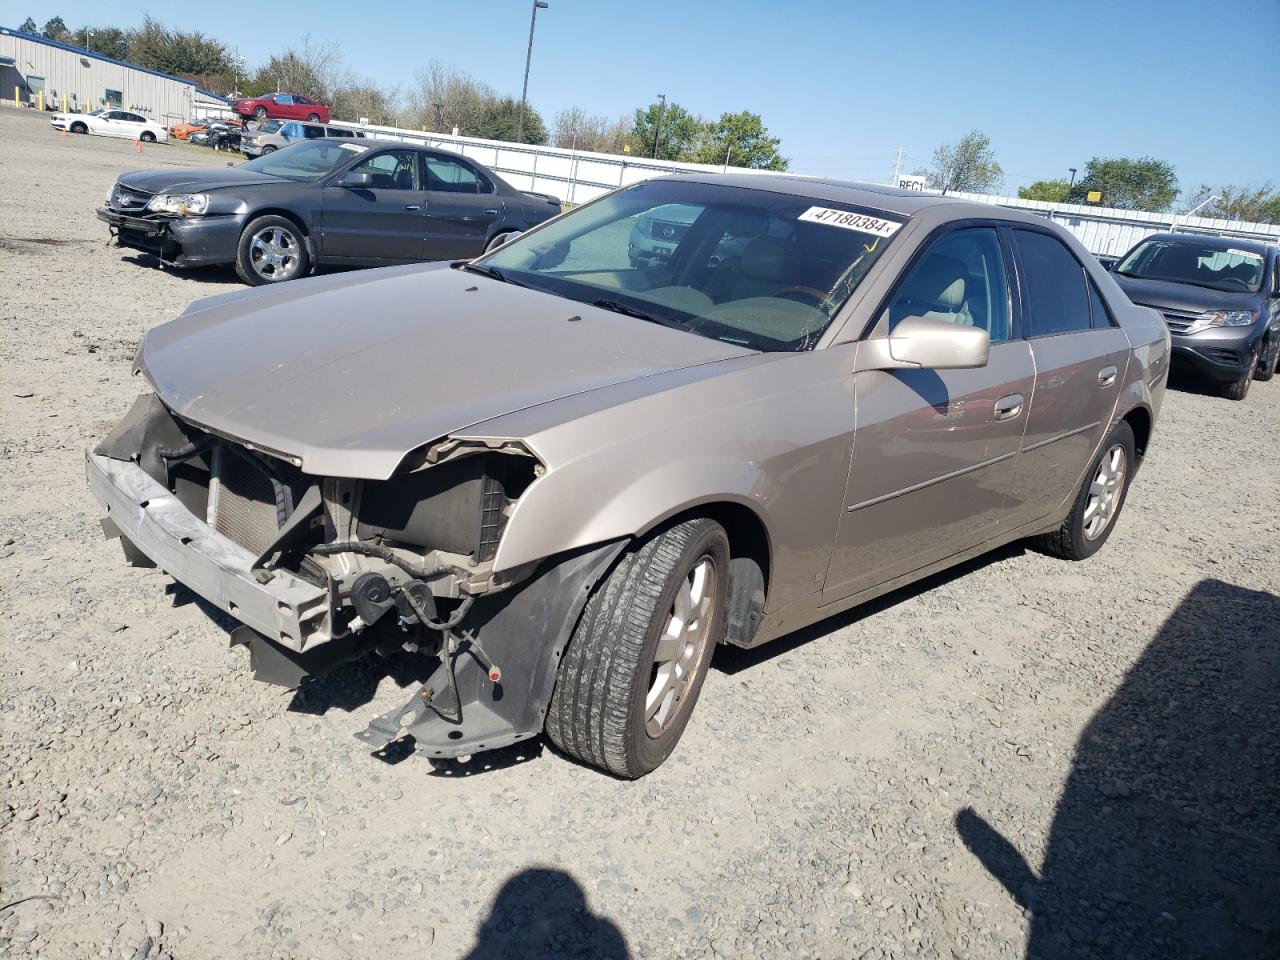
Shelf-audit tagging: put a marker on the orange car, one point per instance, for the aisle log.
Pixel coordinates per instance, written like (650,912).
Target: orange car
(184,130)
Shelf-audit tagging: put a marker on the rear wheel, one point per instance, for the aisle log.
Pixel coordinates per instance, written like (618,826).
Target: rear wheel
(313,117)
(500,239)
(147,137)
(1099,501)
(636,662)
(272,250)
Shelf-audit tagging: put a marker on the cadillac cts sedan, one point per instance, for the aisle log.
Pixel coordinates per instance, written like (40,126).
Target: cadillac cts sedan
(566,479)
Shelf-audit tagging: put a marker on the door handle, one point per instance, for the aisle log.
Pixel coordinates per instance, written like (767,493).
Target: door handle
(1107,376)
(1008,407)
(493,212)
(413,206)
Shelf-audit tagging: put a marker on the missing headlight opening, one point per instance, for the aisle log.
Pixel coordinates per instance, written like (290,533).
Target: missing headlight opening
(408,554)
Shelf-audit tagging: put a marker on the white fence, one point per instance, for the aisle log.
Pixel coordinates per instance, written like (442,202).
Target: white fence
(577,176)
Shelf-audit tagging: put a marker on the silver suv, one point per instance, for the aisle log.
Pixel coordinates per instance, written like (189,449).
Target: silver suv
(275,134)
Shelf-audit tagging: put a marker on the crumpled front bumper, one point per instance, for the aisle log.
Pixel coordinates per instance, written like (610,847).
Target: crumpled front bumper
(287,610)
(192,242)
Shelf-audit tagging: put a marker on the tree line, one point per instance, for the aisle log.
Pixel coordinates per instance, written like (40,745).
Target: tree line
(1127,183)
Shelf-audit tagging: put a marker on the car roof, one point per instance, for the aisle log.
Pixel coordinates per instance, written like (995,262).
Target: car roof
(906,203)
(1215,242)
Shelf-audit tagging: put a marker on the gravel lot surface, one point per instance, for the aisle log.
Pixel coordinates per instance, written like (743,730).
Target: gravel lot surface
(1024,757)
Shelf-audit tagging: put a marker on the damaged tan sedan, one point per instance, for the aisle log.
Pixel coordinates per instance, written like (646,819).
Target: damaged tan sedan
(567,478)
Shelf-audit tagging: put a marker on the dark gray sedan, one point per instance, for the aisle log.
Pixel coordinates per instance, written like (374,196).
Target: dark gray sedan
(321,202)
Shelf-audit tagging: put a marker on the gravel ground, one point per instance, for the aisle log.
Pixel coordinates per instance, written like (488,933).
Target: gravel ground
(1021,757)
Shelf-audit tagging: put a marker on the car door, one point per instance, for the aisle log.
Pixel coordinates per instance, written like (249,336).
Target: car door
(110,124)
(134,124)
(1081,356)
(934,450)
(380,223)
(462,208)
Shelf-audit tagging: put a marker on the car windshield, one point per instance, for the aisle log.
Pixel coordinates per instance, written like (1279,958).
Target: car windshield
(305,162)
(1231,269)
(271,126)
(763,270)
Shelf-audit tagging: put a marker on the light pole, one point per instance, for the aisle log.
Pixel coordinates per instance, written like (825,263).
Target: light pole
(1073,179)
(657,127)
(524,93)
(1193,211)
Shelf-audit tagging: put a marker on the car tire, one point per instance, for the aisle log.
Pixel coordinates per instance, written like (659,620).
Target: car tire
(1238,388)
(79,128)
(313,117)
(260,113)
(267,149)
(499,239)
(1103,489)
(147,136)
(617,660)
(1266,368)
(260,240)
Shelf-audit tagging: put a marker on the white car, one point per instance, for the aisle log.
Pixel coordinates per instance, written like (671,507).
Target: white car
(111,123)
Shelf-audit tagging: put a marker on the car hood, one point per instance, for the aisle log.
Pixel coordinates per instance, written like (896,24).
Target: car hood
(350,373)
(187,181)
(1164,295)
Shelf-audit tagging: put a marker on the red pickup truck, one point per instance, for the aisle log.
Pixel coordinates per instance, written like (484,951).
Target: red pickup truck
(282,106)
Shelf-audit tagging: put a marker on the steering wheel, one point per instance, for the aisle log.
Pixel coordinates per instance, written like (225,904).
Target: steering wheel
(802,295)
(1236,281)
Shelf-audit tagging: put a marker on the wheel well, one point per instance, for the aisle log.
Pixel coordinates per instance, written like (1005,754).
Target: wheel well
(749,565)
(291,217)
(1139,420)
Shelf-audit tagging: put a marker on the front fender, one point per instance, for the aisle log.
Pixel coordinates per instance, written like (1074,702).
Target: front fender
(578,506)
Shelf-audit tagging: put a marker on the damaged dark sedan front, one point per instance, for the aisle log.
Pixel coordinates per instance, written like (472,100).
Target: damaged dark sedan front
(567,478)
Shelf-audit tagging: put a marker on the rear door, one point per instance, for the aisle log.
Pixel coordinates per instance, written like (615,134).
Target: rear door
(111,124)
(462,208)
(934,450)
(382,223)
(1081,356)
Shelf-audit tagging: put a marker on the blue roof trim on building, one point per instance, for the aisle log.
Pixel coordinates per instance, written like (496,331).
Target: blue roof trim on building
(105,59)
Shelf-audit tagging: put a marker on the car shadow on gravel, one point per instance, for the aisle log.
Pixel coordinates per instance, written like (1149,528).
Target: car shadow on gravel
(541,913)
(1166,839)
(225,276)
(731,660)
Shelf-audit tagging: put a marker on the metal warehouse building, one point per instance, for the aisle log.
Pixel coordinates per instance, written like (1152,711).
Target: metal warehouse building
(33,69)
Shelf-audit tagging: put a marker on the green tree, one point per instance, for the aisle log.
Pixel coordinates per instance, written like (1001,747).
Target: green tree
(743,140)
(55,29)
(1142,184)
(1052,191)
(676,135)
(499,118)
(155,46)
(29,26)
(1256,204)
(109,41)
(969,165)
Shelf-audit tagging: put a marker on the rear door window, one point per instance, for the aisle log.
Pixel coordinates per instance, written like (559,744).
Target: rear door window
(1098,309)
(313,132)
(1054,285)
(450,176)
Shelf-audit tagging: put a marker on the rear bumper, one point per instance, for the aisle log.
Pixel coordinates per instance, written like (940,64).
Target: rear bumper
(181,243)
(1219,354)
(287,610)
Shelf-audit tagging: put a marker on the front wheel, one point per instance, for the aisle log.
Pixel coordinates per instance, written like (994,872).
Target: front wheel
(268,149)
(1098,503)
(1269,360)
(636,661)
(272,250)
(1238,388)
(79,128)
(260,114)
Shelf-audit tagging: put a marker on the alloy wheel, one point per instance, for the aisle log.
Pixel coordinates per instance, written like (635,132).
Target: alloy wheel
(680,647)
(274,253)
(1105,492)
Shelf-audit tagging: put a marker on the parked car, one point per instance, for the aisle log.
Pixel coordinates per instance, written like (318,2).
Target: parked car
(568,479)
(1221,299)
(282,106)
(218,135)
(274,134)
(111,123)
(181,131)
(358,203)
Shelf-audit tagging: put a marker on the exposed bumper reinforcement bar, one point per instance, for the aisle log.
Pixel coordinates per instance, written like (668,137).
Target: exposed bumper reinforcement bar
(288,611)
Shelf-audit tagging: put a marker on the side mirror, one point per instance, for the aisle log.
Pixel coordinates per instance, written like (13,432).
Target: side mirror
(357,181)
(917,343)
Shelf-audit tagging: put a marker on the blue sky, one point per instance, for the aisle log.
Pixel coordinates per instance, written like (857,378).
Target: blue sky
(842,82)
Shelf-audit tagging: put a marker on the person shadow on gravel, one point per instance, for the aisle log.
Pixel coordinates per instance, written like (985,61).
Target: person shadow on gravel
(1166,840)
(543,912)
